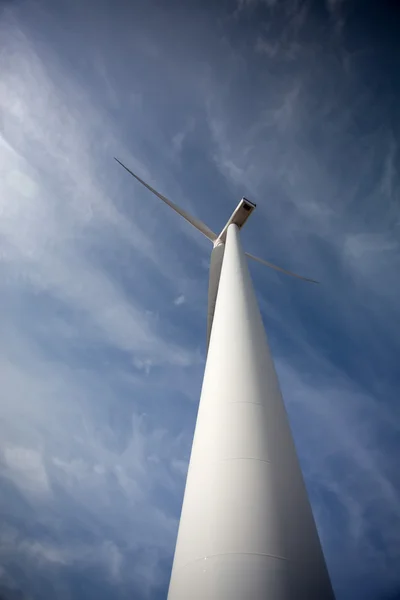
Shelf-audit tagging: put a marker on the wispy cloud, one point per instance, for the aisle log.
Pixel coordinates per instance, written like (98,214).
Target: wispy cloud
(180,300)
(80,341)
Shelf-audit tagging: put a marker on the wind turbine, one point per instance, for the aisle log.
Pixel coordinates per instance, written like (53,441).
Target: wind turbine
(246,530)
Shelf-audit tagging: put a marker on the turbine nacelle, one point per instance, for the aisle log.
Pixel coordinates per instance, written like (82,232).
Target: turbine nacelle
(238,217)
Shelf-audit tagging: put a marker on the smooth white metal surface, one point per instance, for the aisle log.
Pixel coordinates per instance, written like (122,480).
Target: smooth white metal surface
(217,256)
(246,530)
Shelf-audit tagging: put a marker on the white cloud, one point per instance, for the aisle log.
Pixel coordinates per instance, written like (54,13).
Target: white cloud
(179,138)
(180,300)
(143,365)
(44,552)
(106,555)
(365,248)
(180,466)
(26,467)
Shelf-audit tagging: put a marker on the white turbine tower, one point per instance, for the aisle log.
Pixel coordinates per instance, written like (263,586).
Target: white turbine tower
(246,531)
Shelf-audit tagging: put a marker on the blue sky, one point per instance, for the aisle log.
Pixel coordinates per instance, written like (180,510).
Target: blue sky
(103,292)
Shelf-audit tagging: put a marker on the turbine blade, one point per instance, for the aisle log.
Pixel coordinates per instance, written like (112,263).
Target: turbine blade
(192,220)
(268,264)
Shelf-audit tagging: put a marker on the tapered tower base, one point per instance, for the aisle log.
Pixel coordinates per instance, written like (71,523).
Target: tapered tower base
(246,530)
